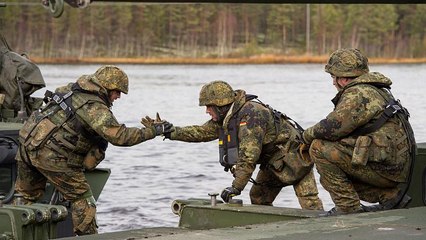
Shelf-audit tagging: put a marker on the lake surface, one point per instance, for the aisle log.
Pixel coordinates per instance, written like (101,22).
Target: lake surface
(146,178)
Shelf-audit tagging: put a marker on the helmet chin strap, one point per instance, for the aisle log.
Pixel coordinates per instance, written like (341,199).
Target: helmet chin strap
(221,112)
(338,84)
(109,97)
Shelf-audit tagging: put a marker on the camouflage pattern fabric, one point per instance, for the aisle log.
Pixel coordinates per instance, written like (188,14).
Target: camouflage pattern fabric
(347,63)
(13,67)
(59,158)
(119,82)
(270,186)
(217,93)
(256,130)
(71,183)
(359,167)
(85,222)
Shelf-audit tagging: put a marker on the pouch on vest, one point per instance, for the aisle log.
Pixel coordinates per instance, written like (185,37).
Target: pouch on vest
(42,133)
(361,151)
(29,126)
(93,157)
(75,160)
(383,148)
(289,165)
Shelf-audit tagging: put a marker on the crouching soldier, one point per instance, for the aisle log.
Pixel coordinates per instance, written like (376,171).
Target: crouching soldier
(363,149)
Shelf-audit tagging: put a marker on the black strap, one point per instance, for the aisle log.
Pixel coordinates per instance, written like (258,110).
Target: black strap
(391,109)
(63,100)
(277,115)
(394,107)
(76,88)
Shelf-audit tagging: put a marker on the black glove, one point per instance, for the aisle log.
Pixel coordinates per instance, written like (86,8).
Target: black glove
(229,192)
(103,144)
(168,135)
(163,128)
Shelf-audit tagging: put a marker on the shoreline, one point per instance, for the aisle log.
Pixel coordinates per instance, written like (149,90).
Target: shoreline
(206,61)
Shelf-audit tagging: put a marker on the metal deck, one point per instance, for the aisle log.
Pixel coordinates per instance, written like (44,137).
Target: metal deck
(390,225)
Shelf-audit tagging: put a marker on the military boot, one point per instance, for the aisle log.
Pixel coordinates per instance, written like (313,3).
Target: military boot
(335,212)
(394,203)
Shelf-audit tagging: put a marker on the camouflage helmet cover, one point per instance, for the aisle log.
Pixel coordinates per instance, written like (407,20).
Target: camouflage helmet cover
(113,78)
(217,93)
(347,63)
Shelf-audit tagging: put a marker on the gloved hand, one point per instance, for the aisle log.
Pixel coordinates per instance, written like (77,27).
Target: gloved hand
(229,192)
(304,147)
(147,122)
(168,135)
(163,127)
(103,144)
(304,152)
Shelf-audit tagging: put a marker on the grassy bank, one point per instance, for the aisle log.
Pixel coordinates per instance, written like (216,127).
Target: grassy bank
(265,59)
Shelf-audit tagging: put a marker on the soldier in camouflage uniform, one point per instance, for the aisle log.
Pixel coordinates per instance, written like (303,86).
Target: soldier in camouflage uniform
(70,134)
(252,133)
(362,149)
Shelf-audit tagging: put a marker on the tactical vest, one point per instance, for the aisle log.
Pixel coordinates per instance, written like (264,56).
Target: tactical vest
(57,127)
(393,109)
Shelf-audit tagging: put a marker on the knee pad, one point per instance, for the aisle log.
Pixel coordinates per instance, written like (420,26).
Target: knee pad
(84,216)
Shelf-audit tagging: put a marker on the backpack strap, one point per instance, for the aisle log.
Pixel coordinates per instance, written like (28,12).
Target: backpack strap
(63,100)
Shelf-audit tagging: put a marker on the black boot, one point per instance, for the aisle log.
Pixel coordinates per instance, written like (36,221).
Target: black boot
(394,203)
(335,212)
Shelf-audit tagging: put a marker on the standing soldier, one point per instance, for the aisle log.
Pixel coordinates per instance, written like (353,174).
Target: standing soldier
(362,149)
(71,133)
(251,133)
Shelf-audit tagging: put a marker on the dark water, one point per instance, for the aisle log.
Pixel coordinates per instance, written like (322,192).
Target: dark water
(146,178)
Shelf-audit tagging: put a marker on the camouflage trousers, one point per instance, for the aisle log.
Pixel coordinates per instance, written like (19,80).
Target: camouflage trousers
(72,184)
(346,183)
(268,186)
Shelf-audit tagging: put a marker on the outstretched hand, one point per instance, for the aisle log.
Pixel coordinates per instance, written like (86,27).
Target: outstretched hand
(147,122)
(162,127)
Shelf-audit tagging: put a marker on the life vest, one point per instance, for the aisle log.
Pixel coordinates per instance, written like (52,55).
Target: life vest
(228,144)
(228,141)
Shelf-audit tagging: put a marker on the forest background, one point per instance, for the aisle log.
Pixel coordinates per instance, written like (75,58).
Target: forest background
(214,30)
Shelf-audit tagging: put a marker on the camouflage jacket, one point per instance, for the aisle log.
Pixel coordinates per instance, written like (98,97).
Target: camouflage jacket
(74,138)
(357,105)
(257,130)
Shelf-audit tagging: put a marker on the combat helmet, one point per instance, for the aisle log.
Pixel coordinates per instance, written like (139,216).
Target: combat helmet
(347,63)
(217,93)
(113,78)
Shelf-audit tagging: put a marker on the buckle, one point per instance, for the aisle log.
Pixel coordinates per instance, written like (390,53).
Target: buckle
(396,108)
(64,106)
(57,99)
(390,110)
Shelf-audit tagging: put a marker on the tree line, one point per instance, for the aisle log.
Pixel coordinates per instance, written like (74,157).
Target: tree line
(215,30)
